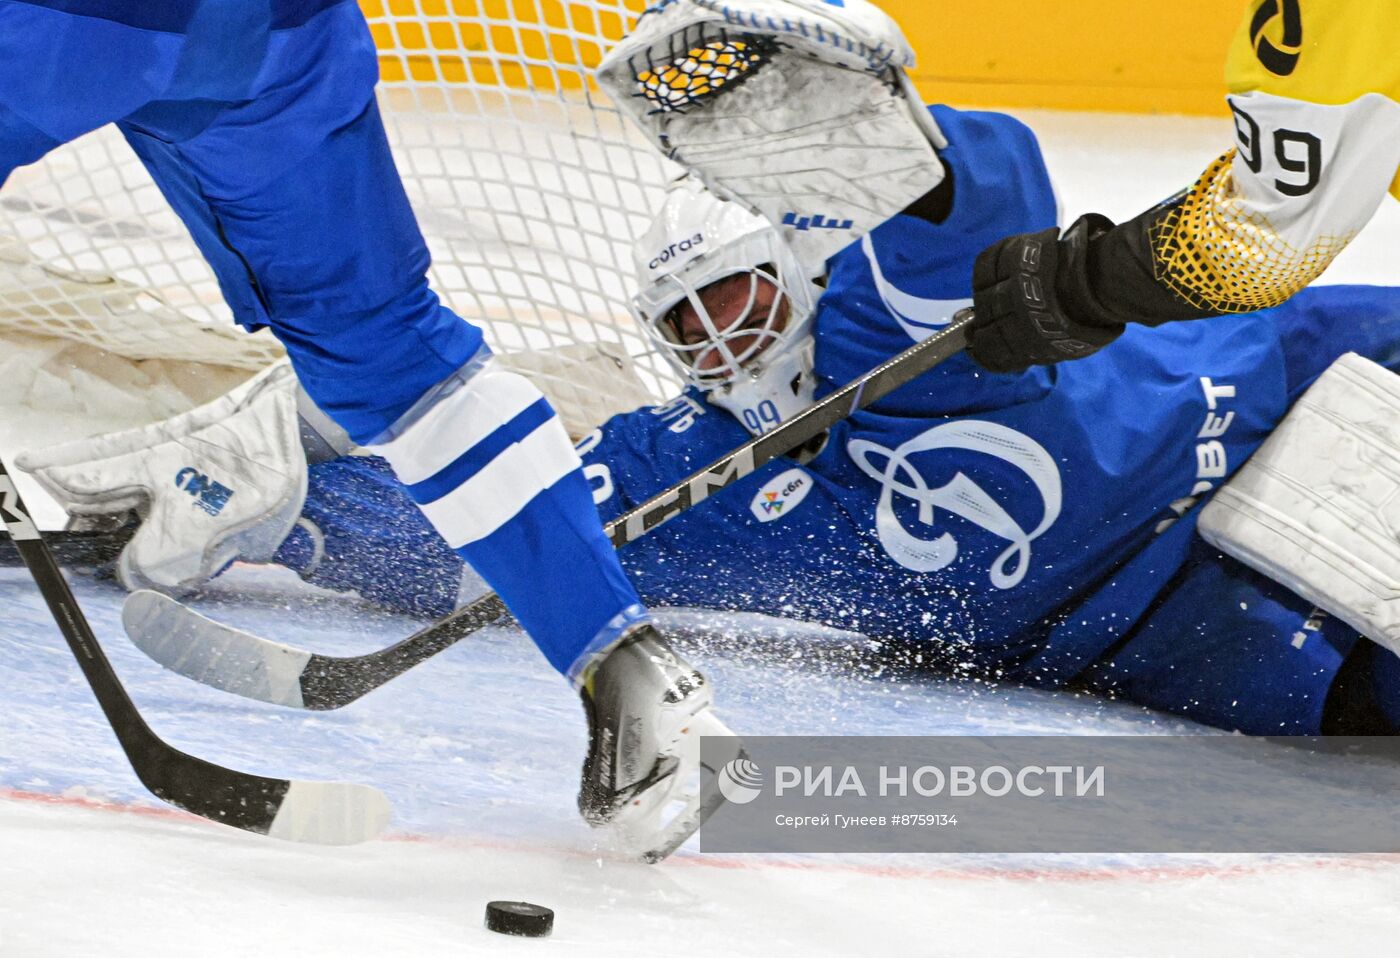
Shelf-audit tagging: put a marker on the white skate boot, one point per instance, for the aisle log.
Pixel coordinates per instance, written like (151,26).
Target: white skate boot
(647,709)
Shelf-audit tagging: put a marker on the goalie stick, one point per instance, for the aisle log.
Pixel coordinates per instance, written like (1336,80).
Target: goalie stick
(236,661)
(86,544)
(326,813)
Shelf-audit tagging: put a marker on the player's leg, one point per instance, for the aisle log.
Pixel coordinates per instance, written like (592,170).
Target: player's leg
(1229,647)
(479,447)
(63,75)
(295,197)
(296,201)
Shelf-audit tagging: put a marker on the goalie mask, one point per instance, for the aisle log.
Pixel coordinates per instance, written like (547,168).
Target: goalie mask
(724,299)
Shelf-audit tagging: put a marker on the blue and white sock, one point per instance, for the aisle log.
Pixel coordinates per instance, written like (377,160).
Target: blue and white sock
(489,463)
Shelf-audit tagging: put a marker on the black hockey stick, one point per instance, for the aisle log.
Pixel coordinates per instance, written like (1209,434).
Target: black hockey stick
(88,544)
(329,813)
(236,661)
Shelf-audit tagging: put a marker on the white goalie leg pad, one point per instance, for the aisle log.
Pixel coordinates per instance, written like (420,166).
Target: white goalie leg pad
(1317,508)
(797,109)
(224,481)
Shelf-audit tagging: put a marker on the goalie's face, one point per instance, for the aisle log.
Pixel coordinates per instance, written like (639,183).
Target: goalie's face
(742,336)
(729,323)
(722,296)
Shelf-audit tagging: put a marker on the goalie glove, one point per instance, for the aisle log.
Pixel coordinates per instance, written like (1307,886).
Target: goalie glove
(647,709)
(221,482)
(797,109)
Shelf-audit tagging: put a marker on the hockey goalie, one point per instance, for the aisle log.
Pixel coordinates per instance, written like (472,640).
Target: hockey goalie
(1043,528)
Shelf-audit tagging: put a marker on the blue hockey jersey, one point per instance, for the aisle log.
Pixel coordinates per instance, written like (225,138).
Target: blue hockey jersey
(1026,526)
(976,507)
(1037,527)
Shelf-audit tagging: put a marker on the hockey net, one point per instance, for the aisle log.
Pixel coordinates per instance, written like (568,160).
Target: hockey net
(528,185)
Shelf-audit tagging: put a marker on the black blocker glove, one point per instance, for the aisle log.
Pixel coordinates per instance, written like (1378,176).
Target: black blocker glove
(1033,301)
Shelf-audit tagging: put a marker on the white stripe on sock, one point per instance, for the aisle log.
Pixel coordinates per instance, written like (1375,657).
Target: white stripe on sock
(496,494)
(488,400)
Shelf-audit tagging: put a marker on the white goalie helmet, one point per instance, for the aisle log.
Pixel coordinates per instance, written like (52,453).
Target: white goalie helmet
(724,299)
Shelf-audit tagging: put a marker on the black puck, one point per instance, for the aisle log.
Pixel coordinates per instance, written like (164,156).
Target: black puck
(519,918)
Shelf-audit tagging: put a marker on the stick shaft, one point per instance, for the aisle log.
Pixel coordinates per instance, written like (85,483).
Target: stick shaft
(791,435)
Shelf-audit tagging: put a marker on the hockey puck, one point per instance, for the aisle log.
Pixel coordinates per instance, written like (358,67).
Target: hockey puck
(519,918)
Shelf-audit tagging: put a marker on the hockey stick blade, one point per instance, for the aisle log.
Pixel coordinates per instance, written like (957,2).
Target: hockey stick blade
(330,682)
(210,652)
(240,662)
(326,813)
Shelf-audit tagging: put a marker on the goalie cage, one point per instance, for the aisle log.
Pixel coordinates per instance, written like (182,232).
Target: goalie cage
(528,185)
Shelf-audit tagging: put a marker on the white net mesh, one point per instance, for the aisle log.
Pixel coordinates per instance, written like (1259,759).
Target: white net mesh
(528,186)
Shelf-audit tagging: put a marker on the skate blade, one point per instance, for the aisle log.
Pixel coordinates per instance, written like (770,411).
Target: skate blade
(662,818)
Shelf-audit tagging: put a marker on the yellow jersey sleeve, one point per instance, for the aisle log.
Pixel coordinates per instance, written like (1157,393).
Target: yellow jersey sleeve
(1315,96)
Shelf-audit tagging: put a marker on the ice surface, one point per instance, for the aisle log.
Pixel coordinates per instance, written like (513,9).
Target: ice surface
(479,751)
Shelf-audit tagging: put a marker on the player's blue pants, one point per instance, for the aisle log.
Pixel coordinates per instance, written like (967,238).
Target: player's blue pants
(258,122)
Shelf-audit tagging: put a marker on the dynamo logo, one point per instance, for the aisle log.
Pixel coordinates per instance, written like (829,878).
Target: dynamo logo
(740,781)
(960,496)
